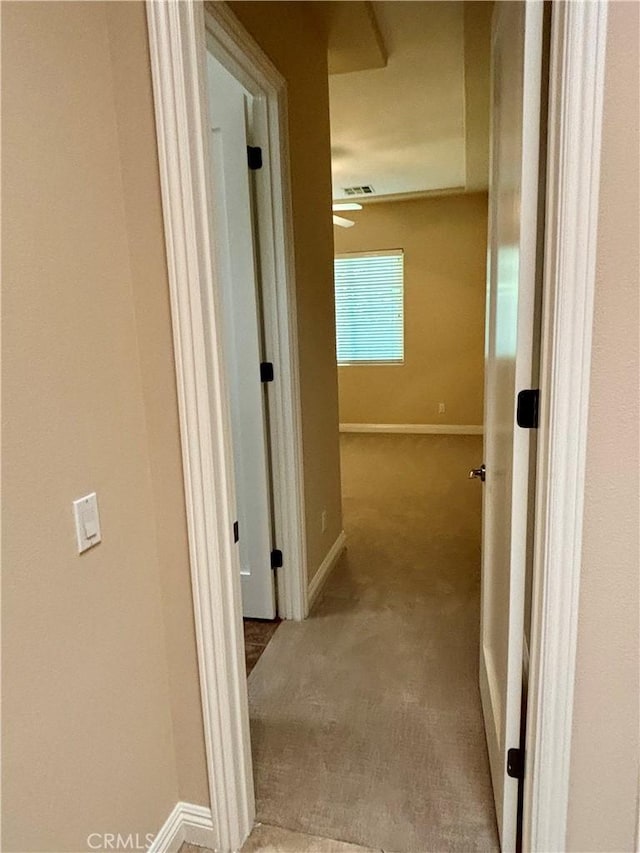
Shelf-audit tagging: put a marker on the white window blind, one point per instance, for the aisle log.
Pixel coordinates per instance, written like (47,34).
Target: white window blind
(369,290)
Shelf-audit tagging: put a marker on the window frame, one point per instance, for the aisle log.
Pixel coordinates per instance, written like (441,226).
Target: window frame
(374,362)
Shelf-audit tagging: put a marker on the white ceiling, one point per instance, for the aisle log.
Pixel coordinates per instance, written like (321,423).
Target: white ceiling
(412,126)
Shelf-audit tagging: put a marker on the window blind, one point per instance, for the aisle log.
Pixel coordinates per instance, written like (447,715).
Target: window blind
(369,290)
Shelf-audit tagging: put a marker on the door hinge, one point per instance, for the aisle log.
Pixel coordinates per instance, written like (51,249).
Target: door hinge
(254,157)
(515,763)
(236,532)
(527,411)
(266,371)
(276,559)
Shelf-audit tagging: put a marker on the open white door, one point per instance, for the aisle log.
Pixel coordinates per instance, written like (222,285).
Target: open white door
(229,106)
(517,40)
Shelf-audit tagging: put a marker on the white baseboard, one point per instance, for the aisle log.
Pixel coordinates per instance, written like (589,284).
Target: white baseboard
(187,822)
(416,429)
(325,569)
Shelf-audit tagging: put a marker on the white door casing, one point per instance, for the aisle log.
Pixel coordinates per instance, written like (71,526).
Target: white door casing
(511,288)
(180,34)
(230,105)
(576,93)
(178,61)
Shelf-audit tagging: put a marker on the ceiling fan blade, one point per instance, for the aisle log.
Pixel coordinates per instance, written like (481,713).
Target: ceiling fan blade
(348,205)
(342,222)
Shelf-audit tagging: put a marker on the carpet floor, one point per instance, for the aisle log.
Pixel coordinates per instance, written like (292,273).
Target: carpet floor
(365,719)
(274,839)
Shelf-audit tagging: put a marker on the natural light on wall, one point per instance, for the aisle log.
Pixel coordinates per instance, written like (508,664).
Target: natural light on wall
(369,290)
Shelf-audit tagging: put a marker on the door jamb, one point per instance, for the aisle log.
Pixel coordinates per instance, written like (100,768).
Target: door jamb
(577,63)
(177,45)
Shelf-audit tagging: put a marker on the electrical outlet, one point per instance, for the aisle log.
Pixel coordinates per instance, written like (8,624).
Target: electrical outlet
(324,520)
(441,408)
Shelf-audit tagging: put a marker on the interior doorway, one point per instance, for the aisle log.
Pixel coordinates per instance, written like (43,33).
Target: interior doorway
(224,686)
(257,335)
(409,316)
(414,651)
(394,594)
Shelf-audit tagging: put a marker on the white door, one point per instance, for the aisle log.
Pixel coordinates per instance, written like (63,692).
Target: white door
(229,108)
(509,368)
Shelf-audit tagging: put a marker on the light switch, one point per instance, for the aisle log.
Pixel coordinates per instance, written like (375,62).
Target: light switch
(85,511)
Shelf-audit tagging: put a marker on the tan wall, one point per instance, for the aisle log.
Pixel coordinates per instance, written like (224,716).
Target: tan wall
(150,290)
(293,37)
(99,677)
(445,248)
(477,90)
(102,723)
(604,770)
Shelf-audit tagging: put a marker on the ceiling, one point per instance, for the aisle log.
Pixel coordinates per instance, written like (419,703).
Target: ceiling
(355,40)
(409,96)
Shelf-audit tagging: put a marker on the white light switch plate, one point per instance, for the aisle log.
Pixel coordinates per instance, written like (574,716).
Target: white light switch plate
(85,512)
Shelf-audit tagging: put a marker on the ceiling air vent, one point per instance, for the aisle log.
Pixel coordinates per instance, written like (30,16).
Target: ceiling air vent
(366,190)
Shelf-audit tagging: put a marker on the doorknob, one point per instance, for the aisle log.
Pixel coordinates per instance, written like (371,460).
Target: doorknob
(478,473)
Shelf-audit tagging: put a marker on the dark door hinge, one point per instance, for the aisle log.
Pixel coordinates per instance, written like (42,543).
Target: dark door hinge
(527,411)
(276,559)
(236,532)
(266,371)
(254,157)
(515,763)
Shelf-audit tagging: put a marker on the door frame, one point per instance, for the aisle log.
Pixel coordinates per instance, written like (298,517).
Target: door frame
(576,78)
(257,76)
(180,33)
(232,46)
(178,49)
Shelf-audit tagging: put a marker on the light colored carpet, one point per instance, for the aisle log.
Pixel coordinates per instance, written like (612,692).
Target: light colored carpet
(274,839)
(365,719)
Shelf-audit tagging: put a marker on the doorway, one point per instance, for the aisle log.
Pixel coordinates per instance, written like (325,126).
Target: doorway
(393,644)
(220,688)
(258,335)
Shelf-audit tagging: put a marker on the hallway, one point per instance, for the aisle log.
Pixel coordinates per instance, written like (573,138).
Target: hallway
(365,719)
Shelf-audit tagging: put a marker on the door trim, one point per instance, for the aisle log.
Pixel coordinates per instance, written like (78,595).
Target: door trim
(177,44)
(578,37)
(178,36)
(230,43)
(177,53)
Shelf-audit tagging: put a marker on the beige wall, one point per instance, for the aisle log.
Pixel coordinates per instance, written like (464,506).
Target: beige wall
(101,718)
(88,742)
(604,770)
(477,91)
(445,247)
(294,37)
(133,100)
(102,723)
(102,727)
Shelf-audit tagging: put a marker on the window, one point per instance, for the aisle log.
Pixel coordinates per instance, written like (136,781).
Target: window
(370,307)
